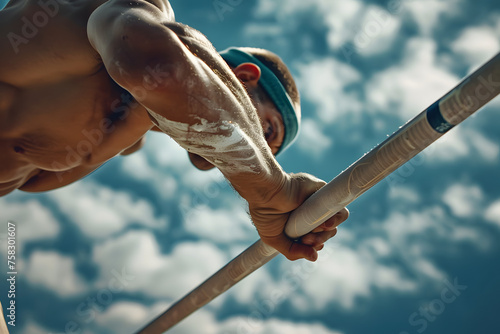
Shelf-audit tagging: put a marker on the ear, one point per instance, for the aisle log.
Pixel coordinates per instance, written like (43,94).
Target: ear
(274,130)
(248,73)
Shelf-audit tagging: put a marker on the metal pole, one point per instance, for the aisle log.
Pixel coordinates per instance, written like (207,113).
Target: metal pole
(471,94)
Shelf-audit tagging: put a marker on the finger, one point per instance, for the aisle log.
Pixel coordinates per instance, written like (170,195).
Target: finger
(333,221)
(316,239)
(309,239)
(320,247)
(291,249)
(327,225)
(342,216)
(323,237)
(301,251)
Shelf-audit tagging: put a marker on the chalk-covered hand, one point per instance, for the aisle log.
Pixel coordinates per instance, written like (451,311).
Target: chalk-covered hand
(270,218)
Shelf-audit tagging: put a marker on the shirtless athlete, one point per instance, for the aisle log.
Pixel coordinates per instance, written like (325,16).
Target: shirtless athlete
(82,81)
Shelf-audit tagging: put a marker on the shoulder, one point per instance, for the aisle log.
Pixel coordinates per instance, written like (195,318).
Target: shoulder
(109,10)
(115,18)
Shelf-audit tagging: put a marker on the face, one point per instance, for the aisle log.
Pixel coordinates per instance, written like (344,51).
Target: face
(271,122)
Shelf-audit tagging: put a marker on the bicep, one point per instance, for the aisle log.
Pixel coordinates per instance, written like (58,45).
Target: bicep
(117,24)
(165,65)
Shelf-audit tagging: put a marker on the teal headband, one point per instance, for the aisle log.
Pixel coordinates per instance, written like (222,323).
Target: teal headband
(273,87)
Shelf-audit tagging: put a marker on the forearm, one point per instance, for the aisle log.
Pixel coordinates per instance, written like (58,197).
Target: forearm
(213,117)
(194,97)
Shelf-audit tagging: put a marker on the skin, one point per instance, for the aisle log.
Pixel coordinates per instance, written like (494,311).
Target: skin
(86,86)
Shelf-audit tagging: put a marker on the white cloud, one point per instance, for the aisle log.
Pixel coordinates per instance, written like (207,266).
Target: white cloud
(356,267)
(464,201)
(202,322)
(370,29)
(406,89)
(335,15)
(325,82)
(272,326)
(493,213)
(477,44)
(54,272)
(341,19)
(31,327)
(404,194)
(257,289)
(165,152)
(166,165)
(33,220)
(100,211)
(399,227)
(220,225)
(168,159)
(127,316)
(460,143)
(377,31)
(260,29)
(405,233)
(428,13)
(351,273)
(487,149)
(312,141)
(158,164)
(138,167)
(452,146)
(137,254)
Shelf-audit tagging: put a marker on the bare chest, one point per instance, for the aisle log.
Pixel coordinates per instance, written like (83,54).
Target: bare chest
(45,40)
(77,121)
(58,105)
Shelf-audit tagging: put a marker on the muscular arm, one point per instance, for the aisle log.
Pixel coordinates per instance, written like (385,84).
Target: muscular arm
(192,95)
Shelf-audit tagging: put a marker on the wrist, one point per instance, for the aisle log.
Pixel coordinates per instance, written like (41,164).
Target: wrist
(261,188)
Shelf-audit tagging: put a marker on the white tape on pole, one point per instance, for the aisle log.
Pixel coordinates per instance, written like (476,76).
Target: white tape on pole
(470,95)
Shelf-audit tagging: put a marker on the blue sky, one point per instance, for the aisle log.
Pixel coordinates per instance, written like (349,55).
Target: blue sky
(419,253)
